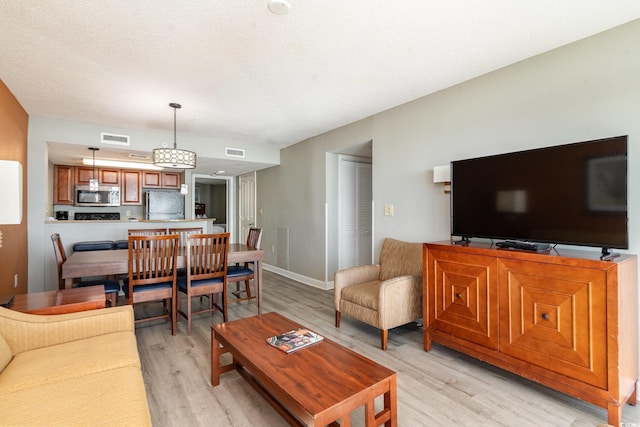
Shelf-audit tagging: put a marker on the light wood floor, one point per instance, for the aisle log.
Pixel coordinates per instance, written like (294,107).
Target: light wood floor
(439,388)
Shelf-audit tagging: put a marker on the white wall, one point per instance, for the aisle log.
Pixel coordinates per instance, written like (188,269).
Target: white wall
(586,90)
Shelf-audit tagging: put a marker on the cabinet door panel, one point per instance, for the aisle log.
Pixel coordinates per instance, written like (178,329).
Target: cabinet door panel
(131,188)
(83,175)
(170,179)
(555,317)
(152,179)
(463,290)
(109,176)
(63,185)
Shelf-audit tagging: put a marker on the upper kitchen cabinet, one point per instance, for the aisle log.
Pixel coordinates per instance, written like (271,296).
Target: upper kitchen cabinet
(131,193)
(161,179)
(63,185)
(106,176)
(171,179)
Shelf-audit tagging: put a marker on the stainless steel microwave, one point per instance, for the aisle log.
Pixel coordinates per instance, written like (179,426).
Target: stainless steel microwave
(103,196)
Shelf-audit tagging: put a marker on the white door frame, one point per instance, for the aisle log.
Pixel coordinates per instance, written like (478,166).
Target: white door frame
(355,159)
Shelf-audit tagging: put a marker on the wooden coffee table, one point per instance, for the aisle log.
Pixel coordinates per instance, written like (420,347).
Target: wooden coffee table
(314,386)
(60,302)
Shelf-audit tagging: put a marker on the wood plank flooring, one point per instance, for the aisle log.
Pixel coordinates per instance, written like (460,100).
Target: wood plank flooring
(439,388)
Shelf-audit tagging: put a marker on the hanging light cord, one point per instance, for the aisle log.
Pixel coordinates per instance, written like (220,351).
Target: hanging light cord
(93,150)
(175,106)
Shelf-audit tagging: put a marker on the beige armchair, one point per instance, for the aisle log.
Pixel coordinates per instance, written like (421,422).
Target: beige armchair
(385,295)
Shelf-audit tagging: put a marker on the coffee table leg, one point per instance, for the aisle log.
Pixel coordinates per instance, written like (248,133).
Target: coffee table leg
(391,402)
(215,360)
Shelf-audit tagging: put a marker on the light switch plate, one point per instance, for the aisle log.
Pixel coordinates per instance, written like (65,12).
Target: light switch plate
(388,210)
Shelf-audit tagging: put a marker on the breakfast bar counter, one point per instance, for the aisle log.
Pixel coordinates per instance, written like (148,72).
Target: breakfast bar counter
(72,231)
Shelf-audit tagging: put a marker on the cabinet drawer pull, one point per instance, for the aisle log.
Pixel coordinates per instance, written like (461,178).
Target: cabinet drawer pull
(545,316)
(458,295)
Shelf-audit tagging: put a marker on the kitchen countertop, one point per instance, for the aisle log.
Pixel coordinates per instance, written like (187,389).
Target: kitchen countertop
(120,221)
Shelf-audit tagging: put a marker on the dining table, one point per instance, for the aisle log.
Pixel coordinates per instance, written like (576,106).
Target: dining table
(116,261)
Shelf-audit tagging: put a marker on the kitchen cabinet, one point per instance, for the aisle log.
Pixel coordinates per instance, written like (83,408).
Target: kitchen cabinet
(63,185)
(161,179)
(171,179)
(106,176)
(130,181)
(565,319)
(131,190)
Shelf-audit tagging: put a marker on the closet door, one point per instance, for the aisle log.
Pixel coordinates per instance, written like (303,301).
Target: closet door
(355,212)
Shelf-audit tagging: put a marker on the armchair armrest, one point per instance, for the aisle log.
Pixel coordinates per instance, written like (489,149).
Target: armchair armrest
(352,276)
(24,331)
(400,301)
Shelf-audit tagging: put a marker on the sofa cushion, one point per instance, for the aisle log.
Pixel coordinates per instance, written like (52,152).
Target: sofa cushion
(5,354)
(398,258)
(363,294)
(69,360)
(116,397)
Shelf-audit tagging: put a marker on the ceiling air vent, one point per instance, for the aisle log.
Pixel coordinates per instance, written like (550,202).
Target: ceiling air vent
(110,138)
(234,152)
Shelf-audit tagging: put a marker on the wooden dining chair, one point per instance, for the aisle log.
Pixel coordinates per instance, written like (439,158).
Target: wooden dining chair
(244,273)
(184,233)
(206,274)
(111,287)
(152,274)
(146,231)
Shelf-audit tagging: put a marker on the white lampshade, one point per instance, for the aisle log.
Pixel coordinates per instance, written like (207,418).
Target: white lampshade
(442,174)
(10,192)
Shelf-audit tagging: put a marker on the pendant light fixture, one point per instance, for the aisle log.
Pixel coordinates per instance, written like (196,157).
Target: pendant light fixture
(174,157)
(94,184)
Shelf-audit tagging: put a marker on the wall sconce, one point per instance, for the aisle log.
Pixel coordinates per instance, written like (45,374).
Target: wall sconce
(442,174)
(11,192)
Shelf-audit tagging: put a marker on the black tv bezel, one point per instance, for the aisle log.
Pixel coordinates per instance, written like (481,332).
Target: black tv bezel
(605,246)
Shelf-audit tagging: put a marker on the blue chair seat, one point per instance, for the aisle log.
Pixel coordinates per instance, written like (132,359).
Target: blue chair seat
(98,245)
(182,282)
(121,244)
(236,271)
(142,288)
(110,286)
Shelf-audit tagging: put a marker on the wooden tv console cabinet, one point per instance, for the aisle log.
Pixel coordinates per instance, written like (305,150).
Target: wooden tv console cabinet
(564,318)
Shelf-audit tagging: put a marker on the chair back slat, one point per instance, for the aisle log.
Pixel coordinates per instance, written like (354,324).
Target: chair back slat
(152,258)
(207,256)
(147,231)
(184,233)
(254,237)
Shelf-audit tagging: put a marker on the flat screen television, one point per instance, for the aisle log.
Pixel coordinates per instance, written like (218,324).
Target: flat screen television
(574,194)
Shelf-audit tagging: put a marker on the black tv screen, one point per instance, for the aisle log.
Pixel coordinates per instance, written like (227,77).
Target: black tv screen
(573,194)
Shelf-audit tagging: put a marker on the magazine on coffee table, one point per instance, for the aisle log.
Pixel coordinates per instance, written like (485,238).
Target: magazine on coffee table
(294,340)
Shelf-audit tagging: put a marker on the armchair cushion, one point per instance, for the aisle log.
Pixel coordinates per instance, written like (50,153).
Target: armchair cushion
(399,258)
(365,294)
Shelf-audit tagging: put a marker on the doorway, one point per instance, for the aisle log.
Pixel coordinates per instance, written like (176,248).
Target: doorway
(213,199)
(247,204)
(355,215)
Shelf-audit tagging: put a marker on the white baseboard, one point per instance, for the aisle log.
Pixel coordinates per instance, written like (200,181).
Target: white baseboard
(299,277)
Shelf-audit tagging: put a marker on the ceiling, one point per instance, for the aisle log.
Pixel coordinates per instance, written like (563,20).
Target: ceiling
(247,76)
